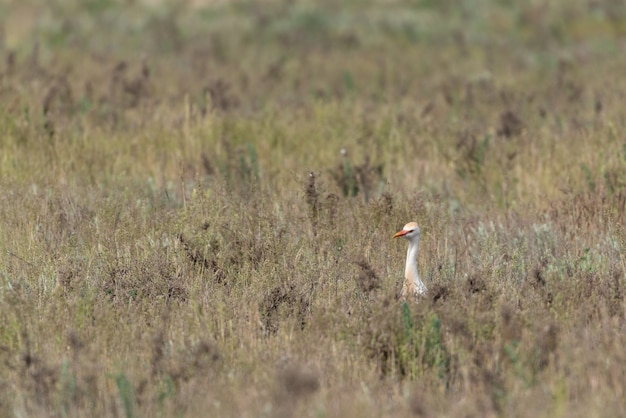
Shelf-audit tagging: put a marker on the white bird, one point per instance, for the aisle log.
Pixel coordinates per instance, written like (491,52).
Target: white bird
(412,283)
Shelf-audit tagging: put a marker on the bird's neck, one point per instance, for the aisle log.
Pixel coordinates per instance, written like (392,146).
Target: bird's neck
(410,271)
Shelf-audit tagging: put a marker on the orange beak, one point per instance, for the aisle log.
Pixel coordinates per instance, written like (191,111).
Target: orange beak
(400,233)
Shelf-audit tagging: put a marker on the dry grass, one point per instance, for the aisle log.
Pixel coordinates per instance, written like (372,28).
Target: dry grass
(182,234)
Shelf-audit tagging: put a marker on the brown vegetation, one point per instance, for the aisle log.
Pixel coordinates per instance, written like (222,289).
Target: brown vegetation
(203,227)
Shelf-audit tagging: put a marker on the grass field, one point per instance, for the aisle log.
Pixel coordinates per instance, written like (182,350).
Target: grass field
(182,235)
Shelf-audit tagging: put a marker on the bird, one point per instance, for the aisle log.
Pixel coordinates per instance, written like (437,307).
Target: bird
(413,285)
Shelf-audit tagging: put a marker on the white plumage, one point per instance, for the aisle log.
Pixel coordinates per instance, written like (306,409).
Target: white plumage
(412,285)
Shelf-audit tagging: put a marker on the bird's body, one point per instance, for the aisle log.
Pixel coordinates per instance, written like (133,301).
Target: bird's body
(412,285)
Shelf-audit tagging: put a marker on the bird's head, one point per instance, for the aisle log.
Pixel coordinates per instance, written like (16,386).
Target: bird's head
(410,231)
